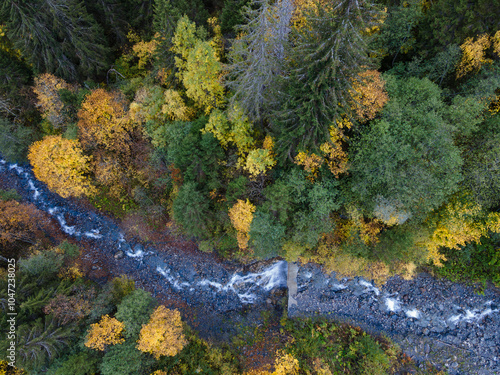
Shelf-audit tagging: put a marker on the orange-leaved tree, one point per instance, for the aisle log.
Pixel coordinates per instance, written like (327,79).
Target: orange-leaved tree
(61,164)
(103,122)
(107,332)
(71,308)
(163,335)
(19,223)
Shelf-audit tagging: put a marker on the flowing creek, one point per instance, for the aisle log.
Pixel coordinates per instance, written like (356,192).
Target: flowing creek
(433,320)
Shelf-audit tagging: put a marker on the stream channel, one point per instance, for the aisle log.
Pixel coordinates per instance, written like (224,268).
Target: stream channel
(445,323)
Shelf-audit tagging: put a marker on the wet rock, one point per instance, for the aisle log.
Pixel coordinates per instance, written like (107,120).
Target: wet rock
(126,247)
(278,292)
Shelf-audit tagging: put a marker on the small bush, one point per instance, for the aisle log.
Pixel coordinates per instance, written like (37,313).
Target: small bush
(329,348)
(9,195)
(69,249)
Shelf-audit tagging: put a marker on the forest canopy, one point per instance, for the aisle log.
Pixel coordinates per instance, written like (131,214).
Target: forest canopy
(363,135)
(308,129)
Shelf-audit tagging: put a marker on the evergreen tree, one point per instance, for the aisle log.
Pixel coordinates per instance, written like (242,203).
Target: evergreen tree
(118,18)
(40,341)
(166,16)
(330,49)
(258,55)
(191,210)
(134,311)
(13,69)
(15,140)
(452,21)
(56,36)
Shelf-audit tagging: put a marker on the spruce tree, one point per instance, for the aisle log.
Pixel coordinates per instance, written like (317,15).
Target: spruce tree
(56,36)
(258,55)
(330,49)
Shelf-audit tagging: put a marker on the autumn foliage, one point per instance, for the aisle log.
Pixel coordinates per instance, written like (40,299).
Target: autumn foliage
(261,160)
(47,88)
(369,95)
(163,335)
(61,164)
(241,215)
(473,55)
(103,121)
(19,222)
(107,332)
(457,223)
(71,308)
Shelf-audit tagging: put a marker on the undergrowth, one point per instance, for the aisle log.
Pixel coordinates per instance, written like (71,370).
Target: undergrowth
(475,263)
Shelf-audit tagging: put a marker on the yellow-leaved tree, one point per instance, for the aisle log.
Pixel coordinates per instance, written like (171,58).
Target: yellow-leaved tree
(311,163)
(473,55)
(103,122)
(163,334)
(260,160)
(241,215)
(336,157)
(368,95)
(333,154)
(61,164)
(175,108)
(107,332)
(457,223)
(496,43)
(49,101)
(286,364)
(198,64)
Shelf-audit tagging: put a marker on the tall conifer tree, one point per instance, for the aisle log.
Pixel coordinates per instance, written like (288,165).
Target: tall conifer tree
(258,55)
(56,36)
(330,49)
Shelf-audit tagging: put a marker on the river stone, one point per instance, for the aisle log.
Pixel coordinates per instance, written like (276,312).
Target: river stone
(126,247)
(119,254)
(427,348)
(422,323)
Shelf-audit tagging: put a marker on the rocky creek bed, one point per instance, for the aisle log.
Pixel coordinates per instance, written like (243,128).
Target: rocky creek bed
(439,321)
(433,320)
